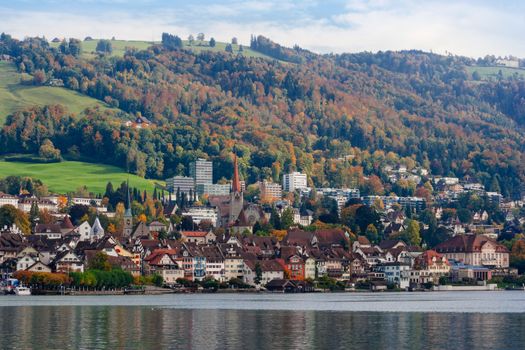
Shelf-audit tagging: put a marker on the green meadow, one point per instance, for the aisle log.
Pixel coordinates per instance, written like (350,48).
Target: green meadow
(120,46)
(491,73)
(15,96)
(67,176)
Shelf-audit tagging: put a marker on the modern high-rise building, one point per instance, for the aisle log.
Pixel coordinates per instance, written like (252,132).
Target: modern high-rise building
(213,189)
(270,192)
(201,171)
(184,184)
(294,181)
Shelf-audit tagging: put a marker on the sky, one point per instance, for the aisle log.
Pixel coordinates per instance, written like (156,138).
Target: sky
(463,27)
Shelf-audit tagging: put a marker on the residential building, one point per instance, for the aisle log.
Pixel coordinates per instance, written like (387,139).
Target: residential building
(198,237)
(25,204)
(183,184)
(199,214)
(295,181)
(214,262)
(52,231)
(270,270)
(477,250)
(213,189)
(395,273)
(201,171)
(162,262)
(270,191)
(7,199)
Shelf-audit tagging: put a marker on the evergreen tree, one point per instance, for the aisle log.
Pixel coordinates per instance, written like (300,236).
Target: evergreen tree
(258,273)
(287,219)
(33,213)
(275,219)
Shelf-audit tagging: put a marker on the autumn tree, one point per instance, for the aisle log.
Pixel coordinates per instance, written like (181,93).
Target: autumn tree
(371,233)
(99,262)
(10,215)
(39,77)
(411,234)
(48,151)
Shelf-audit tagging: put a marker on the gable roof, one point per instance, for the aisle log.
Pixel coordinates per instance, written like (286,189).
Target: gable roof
(194,234)
(468,244)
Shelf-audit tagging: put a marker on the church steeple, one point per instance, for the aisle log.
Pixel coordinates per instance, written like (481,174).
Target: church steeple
(128,204)
(128,216)
(236,198)
(236,182)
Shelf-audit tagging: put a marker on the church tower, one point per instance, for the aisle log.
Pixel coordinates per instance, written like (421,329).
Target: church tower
(236,196)
(128,217)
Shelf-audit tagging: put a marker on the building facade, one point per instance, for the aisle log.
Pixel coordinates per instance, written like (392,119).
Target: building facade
(294,181)
(201,171)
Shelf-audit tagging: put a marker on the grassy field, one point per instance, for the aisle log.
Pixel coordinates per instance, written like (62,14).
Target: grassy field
(67,176)
(15,96)
(220,47)
(119,47)
(488,73)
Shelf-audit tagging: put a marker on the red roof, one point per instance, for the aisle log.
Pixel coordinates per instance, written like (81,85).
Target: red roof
(468,244)
(428,255)
(159,252)
(194,234)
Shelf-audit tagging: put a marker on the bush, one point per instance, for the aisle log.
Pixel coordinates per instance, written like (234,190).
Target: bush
(44,279)
(30,159)
(101,279)
(157,280)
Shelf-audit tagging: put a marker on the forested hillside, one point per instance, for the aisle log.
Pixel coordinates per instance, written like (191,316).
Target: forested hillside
(337,117)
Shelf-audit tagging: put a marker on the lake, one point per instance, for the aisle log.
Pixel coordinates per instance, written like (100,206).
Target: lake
(438,320)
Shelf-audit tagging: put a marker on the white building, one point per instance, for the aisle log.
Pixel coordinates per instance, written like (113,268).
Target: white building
(395,273)
(270,270)
(84,230)
(201,171)
(199,214)
(213,189)
(295,181)
(87,201)
(270,191)
(184,184)
(26,203)
(7,199)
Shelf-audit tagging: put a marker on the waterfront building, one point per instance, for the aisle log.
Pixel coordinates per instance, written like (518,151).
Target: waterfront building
(477,250)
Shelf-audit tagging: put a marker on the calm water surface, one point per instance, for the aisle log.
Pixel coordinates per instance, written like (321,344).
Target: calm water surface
(454,320)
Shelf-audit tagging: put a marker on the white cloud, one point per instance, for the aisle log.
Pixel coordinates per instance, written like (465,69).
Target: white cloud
(459,27)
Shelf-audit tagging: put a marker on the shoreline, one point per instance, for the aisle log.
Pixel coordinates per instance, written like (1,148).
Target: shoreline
(157,292)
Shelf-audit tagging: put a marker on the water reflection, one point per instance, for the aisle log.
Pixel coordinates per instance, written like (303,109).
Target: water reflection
(143,327)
